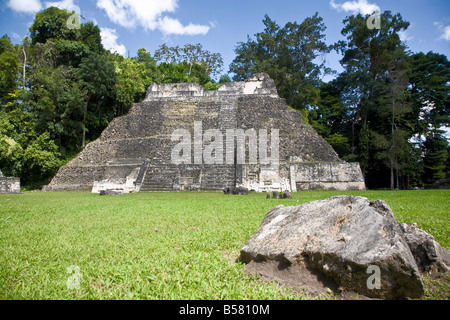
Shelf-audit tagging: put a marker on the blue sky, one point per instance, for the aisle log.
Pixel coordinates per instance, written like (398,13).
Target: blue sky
(128,25)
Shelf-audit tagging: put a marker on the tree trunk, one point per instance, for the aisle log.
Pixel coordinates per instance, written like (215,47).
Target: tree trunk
(24,66)
(398,184)
(83,141)
(392,146)
(392,174)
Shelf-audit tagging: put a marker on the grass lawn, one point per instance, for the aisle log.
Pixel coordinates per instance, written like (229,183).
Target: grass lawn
(163,245)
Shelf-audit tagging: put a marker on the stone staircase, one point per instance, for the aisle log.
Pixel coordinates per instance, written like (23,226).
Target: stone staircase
(158,178)
(228,114)
(218,177)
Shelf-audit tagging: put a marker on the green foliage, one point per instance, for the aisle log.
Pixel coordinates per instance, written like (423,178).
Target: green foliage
(41,158)
(194,56)
(430,90)
(133,79)
(289,56)
(51,24)
(339,144)
(328,115)
(211,86)
(224,78)
(179,73)
(390,92)
(363,157)
(9,65)
(435,159)
(11,154)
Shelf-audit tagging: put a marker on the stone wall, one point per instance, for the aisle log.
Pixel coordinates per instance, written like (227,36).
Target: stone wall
(9,185)
(134,152)
(328,176)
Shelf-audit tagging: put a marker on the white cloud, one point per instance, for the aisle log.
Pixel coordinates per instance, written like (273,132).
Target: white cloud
(109,41)
(33,6)
(444,30)
(172,26)
(446,34)
(25,6)
(64,4)
(355,7)
(405,36)
(149,15)
(16,36)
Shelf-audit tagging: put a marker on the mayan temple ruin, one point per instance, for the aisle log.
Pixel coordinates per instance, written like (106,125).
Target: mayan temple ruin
(135,152)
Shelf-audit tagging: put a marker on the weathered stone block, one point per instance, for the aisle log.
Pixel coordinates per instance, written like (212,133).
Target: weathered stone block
(9,184)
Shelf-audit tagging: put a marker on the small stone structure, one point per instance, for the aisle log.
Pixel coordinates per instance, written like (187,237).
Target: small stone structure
(134,152)
(9,185)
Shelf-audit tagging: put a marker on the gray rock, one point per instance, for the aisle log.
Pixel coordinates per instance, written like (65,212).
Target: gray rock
(111,193)
(430,256)
(275,195)
(240,191)
(269,195)
(236,190)
(342,238)
(286,195)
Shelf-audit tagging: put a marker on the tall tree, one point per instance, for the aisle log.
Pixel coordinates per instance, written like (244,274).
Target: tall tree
(436,155)
(51,24)
(373,89)
(97,76)
(430,90)
(430,93)
(133,78)
(289,55)
(9,69)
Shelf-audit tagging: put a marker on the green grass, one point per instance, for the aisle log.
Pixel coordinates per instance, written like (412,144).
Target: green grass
(162,245)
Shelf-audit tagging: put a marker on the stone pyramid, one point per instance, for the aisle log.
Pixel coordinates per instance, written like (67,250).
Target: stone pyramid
(135,153)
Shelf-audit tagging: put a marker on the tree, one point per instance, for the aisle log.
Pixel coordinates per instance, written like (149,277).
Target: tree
(430,90)
(97,75)
(435,158)
(374,91)
(152,72)
(41,159)
(392,96)
(366,54)
(52,24)
(194,56)
(289,55)
(133,79)
(328,115)
(71,80)
(9,69)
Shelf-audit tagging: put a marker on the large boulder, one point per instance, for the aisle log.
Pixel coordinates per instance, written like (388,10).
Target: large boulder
(430,256)
(343,239)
